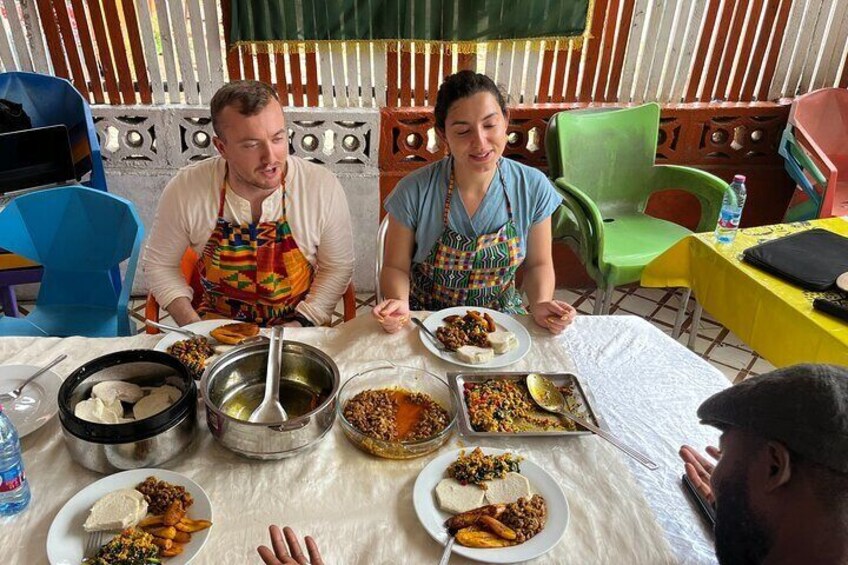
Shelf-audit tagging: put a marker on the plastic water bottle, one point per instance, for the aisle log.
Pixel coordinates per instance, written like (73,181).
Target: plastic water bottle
(731,210)
(14,487)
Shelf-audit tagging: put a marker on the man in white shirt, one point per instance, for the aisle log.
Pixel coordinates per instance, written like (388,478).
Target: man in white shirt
(272,231)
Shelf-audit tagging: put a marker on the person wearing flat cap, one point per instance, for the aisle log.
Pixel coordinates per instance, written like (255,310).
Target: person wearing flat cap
(780,486)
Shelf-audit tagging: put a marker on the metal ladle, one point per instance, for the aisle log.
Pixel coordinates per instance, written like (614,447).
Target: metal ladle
(270,411)
(549,397)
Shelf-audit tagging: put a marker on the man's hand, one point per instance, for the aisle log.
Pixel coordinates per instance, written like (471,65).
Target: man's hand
(392,313)
(555,315)
(291,555)
(699,469)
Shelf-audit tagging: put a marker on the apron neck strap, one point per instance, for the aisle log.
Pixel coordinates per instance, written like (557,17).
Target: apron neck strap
(452,182)
(223,195)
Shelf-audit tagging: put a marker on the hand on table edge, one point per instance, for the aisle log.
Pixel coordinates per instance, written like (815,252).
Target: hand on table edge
(291,555)
(392,314)
(554,315)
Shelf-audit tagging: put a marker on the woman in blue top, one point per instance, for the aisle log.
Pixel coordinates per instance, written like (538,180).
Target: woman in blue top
(460,228)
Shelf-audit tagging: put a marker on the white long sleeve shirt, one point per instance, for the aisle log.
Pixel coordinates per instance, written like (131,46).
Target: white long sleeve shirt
(317,214)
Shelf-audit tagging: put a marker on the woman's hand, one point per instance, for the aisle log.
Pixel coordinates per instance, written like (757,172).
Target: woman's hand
(293,555)
(699,469)
(555,315)
(392,313)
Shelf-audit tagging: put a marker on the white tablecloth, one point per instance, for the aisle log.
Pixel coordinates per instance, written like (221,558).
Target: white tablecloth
(359,508)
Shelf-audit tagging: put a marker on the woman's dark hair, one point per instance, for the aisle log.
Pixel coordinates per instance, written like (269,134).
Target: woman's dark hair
(462,85)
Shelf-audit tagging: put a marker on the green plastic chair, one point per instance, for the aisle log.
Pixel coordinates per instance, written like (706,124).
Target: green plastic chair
(602,163)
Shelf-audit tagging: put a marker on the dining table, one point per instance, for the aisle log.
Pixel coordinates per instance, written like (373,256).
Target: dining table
(645,387)
(772,316)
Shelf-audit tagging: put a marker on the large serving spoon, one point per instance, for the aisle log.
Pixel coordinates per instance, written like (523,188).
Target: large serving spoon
(548,396)
(270,411)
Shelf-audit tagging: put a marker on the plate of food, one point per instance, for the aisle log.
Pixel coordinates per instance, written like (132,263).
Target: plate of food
(37,402)
(217,337)
(476,337)
(501,507)
(499,405)
(159,515)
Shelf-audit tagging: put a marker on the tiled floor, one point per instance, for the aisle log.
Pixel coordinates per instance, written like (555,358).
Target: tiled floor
(714,343)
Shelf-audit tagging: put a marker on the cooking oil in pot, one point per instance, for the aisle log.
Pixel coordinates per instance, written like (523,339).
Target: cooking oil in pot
(296,397)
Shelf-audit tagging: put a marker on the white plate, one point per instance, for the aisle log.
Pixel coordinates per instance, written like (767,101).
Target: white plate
(202,328)
(503,321)
(433,519)
(842,282)
(66,538)
(36,404)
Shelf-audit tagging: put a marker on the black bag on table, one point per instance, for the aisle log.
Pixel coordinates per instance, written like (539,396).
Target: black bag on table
(811,259)
(13,117)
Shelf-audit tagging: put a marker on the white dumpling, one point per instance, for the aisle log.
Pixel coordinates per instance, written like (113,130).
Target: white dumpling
(509,489)
(474,355)
(455,498)
(99,412)
(109,391)
(151,404)
(502,341)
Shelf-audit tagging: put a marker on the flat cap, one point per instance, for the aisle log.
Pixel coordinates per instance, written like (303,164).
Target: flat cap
(805,407)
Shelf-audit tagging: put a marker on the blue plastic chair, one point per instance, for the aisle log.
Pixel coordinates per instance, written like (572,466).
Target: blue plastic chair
(806,202)
(79,235)
(50,101)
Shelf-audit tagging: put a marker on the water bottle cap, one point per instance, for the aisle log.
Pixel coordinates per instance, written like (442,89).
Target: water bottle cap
(739,178)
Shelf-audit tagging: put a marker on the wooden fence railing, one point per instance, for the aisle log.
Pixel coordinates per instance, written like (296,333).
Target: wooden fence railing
(174,51)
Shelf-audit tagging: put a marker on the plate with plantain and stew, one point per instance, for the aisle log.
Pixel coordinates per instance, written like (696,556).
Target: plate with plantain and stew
(500,507)
(150,516)
(214,338)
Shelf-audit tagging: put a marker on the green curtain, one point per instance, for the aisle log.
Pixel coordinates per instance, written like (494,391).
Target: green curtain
(276,23)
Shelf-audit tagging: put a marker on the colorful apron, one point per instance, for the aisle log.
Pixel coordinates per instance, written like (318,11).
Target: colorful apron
(465,271)
(252,272)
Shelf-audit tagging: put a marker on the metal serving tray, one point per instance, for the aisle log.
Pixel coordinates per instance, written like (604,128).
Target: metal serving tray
(583,396)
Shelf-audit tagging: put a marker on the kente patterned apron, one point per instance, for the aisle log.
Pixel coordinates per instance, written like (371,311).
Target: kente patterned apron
(253,272)
(466,271)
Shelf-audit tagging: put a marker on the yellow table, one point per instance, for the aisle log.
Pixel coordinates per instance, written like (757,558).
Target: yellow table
(773,317)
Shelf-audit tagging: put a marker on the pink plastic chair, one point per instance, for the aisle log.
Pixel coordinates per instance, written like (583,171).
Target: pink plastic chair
(820,123)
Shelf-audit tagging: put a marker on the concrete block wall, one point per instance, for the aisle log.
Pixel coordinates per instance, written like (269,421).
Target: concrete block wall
(144,146)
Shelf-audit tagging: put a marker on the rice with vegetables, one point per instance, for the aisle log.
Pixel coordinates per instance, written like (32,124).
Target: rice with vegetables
(193,353)
(476,467)
(503,405)
(130,547)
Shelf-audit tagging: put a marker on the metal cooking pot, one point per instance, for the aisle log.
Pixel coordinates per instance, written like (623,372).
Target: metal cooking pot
(107,448)
(234,384)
